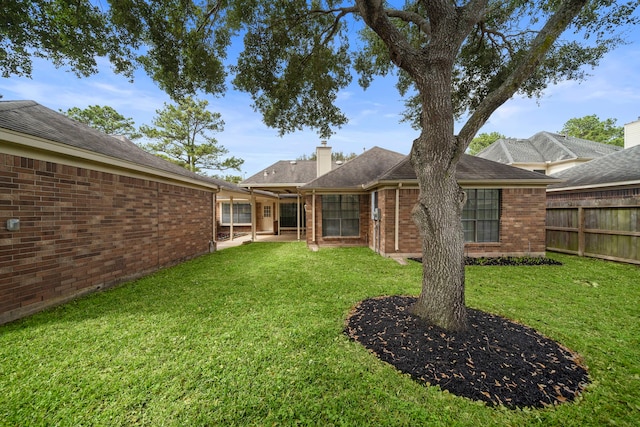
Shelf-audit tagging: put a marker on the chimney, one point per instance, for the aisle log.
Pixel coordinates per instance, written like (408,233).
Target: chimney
(323,158)
(632,134)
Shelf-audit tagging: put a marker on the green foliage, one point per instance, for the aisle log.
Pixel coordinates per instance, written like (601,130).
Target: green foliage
(298,55)
(67,33)
(234,179)
(245,336)
(482,141)
(335,156)
(105,119)
(182,135)
(594,129)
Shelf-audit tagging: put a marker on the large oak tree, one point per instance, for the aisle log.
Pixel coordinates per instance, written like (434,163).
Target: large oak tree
(455,60)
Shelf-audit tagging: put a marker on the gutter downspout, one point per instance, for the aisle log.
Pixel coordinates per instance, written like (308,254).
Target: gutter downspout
(298,215)
(396,236)
(313,216)
(214,232)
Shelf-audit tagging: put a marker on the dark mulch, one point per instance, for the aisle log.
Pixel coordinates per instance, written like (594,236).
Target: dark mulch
(496,360)
(505,261)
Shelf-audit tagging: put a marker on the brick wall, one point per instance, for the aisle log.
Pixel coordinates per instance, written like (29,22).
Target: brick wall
(522,224)
(365,229)
(83,230)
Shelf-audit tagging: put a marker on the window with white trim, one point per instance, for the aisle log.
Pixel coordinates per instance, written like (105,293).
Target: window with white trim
(241,213)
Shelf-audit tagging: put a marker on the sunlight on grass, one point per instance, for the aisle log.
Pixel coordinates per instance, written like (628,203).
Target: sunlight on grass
(253,336)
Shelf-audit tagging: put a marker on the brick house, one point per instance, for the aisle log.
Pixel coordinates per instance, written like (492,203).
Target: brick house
(367,201)
(82,211)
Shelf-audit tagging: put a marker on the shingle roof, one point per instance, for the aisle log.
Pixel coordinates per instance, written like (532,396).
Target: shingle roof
(377,166)
(545,147)
(31,118)
(619,167)
(471,169)
(358,171)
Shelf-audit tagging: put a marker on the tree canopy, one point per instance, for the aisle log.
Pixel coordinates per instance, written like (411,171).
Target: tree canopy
(594,129)
(459,59)
(482,141)
(105,119)
(182,134)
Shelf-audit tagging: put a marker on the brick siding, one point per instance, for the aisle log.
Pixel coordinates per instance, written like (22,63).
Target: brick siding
(522,225)
(83,230)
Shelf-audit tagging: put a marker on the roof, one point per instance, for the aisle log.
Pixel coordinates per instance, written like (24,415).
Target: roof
(545,147)
(33,119)
(619,168)
(471,169)
(379,166)
(285,175)
(358,171)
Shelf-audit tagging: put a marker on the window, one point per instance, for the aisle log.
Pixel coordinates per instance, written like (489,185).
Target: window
(341,215)
(267,211)
(481,215)
(288,213)
(241,213)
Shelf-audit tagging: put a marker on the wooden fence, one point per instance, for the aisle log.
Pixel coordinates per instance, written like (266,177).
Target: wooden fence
(608,232)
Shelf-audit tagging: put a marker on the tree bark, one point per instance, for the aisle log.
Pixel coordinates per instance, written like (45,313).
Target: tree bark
(438,216)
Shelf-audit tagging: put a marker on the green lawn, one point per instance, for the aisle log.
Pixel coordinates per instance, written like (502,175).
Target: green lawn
(252,335)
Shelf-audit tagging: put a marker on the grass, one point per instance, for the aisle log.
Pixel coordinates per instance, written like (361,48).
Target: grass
(252,335)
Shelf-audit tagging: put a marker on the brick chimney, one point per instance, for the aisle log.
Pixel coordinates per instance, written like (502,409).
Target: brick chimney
(323,158)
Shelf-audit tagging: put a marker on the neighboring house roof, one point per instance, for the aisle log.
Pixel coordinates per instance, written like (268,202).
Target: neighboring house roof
(545,147)
(619,168)
(379,166)
(358,171)
(33,119)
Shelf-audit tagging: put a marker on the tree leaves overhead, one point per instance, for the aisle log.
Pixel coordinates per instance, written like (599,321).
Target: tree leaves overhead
(298,55)
(68,33)
(294,63)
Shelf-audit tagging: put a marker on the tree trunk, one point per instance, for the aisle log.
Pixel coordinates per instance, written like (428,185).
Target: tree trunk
(438,216)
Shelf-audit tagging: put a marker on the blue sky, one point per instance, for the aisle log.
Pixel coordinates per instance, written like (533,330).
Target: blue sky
(612,91)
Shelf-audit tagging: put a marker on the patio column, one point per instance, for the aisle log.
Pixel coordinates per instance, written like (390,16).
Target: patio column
(253,216)
(231,217)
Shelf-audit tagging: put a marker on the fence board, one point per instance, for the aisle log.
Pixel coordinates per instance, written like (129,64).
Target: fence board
(608,232)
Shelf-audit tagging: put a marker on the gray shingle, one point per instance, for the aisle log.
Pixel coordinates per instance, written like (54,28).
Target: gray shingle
(358,171)
(470,168)
(31,118)
(618,167)
(545,147)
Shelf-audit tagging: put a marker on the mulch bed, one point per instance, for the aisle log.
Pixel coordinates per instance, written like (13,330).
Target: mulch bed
(496,360)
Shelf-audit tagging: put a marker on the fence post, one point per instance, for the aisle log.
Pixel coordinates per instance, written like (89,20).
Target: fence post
(580,231)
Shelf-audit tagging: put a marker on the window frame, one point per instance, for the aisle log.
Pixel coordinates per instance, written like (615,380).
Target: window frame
(481,222)
(340,212)
(236,212)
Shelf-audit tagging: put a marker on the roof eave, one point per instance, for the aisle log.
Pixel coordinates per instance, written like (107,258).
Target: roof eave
(28,145)
(595,186)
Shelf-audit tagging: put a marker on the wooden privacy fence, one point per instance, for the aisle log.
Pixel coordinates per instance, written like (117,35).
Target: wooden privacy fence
(608,232)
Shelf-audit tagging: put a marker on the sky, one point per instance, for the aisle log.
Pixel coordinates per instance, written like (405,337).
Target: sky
(611,91)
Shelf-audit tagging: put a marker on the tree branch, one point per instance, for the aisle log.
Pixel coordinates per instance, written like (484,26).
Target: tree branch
(540,46)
